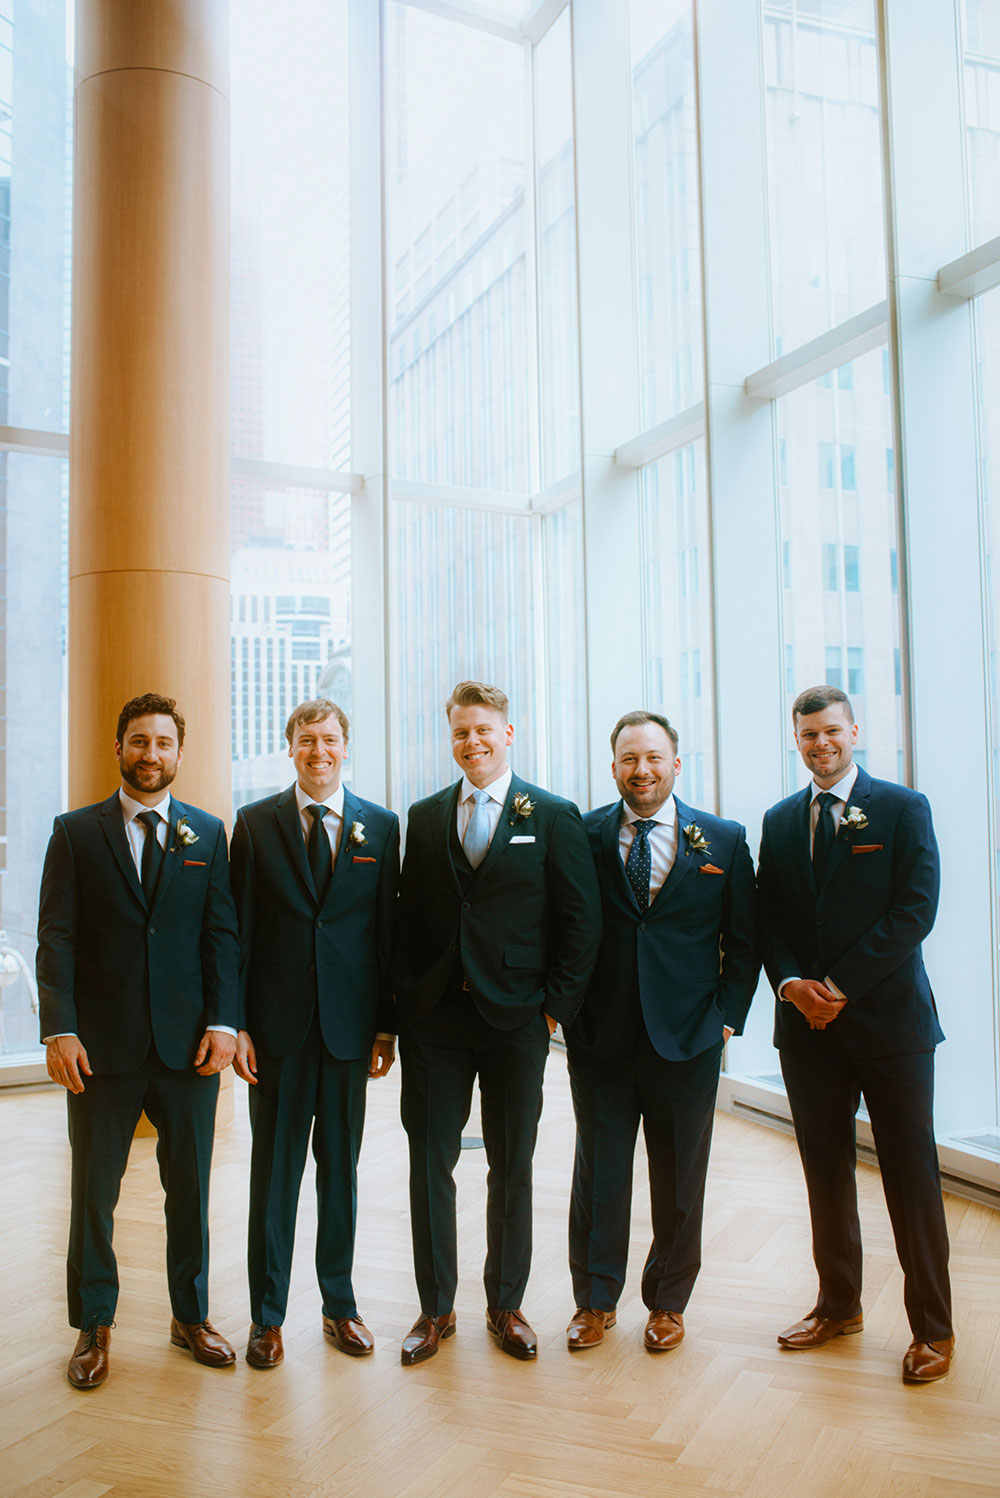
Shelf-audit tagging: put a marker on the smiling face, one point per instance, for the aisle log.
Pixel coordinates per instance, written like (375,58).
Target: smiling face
(826,741)
(645,766)
(479,740)
(318,751)
(149,755)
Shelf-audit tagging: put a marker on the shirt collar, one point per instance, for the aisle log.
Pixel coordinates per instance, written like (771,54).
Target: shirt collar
(335,801)
(667,814)
(842,790)
(132,808)
(496,790)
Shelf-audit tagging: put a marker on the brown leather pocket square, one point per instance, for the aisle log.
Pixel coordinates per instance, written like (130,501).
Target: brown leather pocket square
(195,863)
(867,848)
(357,858)
(710,868)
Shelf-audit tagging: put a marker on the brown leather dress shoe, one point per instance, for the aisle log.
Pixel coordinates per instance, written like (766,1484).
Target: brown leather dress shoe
(421,1341)
(813,1331)
(664,1331)
(264,1349)
(926,1361)
(204,1341)
(513,1333)
(587,1328)
(89,1365)
(350,1334)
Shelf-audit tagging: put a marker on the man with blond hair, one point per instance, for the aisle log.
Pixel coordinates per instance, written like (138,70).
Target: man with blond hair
(497,932)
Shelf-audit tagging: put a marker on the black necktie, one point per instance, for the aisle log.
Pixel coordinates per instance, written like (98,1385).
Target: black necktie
(320,855)
(823,836)
(152,854)
(639,863)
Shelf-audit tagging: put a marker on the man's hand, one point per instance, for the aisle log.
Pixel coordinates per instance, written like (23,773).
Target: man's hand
(814,1001)
(383,1055)
(65,1059)
(727,1034)
(214,1054)
(245,1060)
(551,1024)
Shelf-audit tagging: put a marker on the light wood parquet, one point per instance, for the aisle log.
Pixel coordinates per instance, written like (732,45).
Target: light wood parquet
(727,1414)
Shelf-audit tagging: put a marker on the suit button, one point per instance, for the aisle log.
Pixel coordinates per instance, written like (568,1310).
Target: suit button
(642,925)
(319,925)
(312,967)
(819,920)
(152,930)
(466,905)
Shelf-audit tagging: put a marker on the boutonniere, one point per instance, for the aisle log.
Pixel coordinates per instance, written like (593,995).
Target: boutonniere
(696,840)
(356,836)
(522,806)
(184,835)
(853,820)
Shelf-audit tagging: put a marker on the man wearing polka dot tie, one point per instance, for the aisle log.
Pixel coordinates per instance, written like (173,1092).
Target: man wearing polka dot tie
(848,882)
(674,979)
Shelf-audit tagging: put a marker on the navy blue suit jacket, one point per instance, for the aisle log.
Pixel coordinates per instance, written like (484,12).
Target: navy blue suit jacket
(863,926)
(692,956)
(525,932)
(297,954)
(122,974)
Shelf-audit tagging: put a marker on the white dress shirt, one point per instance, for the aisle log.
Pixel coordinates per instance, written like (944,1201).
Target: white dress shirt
(333,822)
(662,840)
(497,791)
(842,791)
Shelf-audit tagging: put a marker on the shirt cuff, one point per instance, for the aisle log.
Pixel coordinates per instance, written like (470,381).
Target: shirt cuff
(782,986)
(62,1035)
(222,1030)
(383,1036)
(838,991)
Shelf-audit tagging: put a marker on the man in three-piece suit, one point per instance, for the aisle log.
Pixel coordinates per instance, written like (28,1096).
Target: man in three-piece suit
(674,979)
(498,927)
(315,872)
(138,992)
(848,883)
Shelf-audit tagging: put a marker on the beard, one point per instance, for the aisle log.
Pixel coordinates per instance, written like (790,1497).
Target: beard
(147,781)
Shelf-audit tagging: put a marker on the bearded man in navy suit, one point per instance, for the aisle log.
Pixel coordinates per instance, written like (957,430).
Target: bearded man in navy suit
(315,871)
(848,882)
(498,927)
(674,979)
(138,992)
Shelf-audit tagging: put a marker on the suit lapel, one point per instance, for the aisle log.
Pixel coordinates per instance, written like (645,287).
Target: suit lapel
(801,837)
(171,853)
(860,793)
(345,853)
(287,815)
(445,819)
(113,827)
(505,828)
(684,860)
(611,852)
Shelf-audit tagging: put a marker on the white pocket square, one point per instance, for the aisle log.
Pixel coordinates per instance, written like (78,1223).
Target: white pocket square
(522,839)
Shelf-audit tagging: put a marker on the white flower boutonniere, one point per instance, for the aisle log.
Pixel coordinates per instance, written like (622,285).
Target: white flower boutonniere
(853,820)
(522,806)
(696,840)
(184,835)
(356,836)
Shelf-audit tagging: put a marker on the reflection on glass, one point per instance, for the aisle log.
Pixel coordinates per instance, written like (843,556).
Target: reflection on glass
(678,613)
(458,403)
(558,325)
(290,623)
(987,312)
(461,609)
(981,47)
(291,233)
(837,525)
(562,533)
(667,228)
(824,159)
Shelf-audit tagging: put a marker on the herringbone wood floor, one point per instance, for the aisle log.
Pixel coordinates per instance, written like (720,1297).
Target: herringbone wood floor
(726,1414)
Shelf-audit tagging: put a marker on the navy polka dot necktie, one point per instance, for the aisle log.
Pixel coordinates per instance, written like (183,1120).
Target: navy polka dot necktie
(639,863)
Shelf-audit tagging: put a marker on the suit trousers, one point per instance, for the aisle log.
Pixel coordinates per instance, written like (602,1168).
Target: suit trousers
(102,1119)
(825,1086)
(441,1058)
(676,1102)
(307,1090)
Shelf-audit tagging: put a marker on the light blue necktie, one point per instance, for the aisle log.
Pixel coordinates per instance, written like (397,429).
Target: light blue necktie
(477,835)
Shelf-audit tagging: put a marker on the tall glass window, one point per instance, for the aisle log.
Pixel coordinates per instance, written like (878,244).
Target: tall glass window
(981,45)
(565,651)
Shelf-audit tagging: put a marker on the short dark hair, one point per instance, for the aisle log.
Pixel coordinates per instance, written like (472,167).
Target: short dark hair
(632,720)
(141,707)
(315,711)
(478,694)
(815,699)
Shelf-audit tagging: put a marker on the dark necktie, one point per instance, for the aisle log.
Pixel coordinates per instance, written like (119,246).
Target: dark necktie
(320,859)
(823,836)
(639,863)
(152,854)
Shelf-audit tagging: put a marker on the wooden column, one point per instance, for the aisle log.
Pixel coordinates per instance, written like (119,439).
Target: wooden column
(149,430)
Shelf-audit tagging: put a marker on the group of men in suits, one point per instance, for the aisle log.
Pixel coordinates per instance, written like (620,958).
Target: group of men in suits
(639,927)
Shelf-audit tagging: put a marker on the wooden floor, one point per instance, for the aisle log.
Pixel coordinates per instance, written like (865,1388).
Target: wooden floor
(727,1413)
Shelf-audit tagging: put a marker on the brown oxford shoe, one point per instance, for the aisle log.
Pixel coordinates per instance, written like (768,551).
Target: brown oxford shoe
(664,1331)
(513,1333)
(813,1331)
(91,1360)
(421,1341)
(264,1349)
(926,1361)
(587,1328)
(204,1341)
(350,1334)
